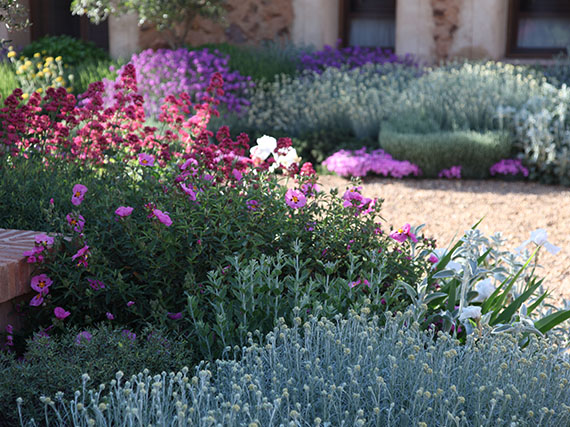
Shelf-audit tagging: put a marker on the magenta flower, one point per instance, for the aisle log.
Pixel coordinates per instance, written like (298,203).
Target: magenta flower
(174,316)
(358,282)
(110,316)
(237,175)
(433,259)
(252,204)
(130,303)
(309,189)
(79,191)
(41,284)
(44,240)
(295,199)
(123,211)
(37,300)
(162,217)
(352,194)
(187,163)
(81,256)
(34,255)
(83,337)
(146,159)
(454,172)
(76,222)
(402,234)
(95,284)
(190,191)
(60,313)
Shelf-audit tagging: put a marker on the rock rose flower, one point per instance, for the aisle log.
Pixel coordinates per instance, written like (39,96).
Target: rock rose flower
(295,199)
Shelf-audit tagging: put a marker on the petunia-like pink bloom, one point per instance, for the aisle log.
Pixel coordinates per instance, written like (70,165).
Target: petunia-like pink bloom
(352,193)
(162,217)
(146,159)
(110,316)
(402,234)
(433,259)
(237,175)
(83,337)
(41,283)
(60,313)
(37,300)
(76,222)
(130,303)
(123,211)
(252,204)
(81,256)
(79,191)
(295,199)
(95,284)
(34,255)
(43,240)
(174,316)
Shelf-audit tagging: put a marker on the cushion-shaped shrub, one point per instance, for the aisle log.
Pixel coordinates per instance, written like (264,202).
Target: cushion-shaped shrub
(55,364)
(475,152)
(73,51)
(335,372)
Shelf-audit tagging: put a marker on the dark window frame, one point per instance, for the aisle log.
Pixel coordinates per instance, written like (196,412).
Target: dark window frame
(345,17)
(513,51)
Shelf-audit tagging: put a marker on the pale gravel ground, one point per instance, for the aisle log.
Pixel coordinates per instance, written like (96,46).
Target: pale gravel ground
(449,207)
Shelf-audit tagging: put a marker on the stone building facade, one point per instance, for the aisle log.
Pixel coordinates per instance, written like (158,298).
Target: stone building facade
(429,29)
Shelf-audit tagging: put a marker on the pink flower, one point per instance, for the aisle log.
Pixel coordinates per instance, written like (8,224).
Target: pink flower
(189,162)
(358,282)
(60,313)
(81,256)
(130,303)
(451,173)
(110,316)
(76,222)
(295,199)
(252,204)
(95,284)
(123,211)
(190,191)
(83,337)
(352,194)
(402,234)
(44,240)
(34,255)
(37,300)
(310,189)
(174,316)
(433,259)
(41,284)
(9,329)
(237,175)
(162,217)
(79,191)
(146,159)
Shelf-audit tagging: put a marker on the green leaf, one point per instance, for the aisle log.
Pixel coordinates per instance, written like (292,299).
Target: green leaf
(452,296)
(547,323)
(435,296)
(539,301)
(508,313)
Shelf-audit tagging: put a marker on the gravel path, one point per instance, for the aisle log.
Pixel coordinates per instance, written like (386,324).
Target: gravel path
(449,207)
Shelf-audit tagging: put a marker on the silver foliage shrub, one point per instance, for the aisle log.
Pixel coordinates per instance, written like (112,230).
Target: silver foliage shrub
(349,372)
(355,100)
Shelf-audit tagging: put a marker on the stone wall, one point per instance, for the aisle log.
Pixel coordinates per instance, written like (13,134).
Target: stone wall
(247,21)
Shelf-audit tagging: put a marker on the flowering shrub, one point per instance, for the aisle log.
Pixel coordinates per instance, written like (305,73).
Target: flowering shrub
(454,172)
(509,167)
(166,72)
(326,372)
(360,163)
(349,57)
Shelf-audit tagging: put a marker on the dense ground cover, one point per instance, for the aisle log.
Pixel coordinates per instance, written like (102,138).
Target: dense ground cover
(181,234)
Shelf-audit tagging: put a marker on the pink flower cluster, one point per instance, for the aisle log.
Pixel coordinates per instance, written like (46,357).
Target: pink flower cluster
(508,167)
(353,199)
(361,163)
(454,172)
(41,243)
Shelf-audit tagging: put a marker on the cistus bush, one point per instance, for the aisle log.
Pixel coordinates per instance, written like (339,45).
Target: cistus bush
(475,152)
(73,51)
(56,364)
(347,372)
(167,72)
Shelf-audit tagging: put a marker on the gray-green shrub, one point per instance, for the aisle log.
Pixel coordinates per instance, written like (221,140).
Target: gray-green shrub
(346,372)
(463,97)
(476,152)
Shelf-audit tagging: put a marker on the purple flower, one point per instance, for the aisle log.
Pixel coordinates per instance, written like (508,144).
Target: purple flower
(110,316)
(79,191)
(95,284)
(123,211)
(252,204)
(402,234)
(174,316)
(60,313)
(83,337)
(130,335)
(146,159)
(295,199)
(44,240)
(508,167)
(453,172)
(130,303)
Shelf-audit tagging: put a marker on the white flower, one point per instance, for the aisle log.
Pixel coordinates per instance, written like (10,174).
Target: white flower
(265,146)
(540,238)
(470,312)
(287,159)
(484,289)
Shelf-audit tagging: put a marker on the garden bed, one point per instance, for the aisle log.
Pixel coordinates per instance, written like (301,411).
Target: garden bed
(449,207)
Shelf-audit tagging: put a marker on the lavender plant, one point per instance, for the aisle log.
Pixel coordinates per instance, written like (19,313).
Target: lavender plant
(167,72)
(343,372)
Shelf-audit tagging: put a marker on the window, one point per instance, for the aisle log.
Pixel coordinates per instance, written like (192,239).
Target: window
(538,27)
(368,23)
(54,18)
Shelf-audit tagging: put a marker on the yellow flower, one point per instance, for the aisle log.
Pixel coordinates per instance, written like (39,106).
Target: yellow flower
(25,95)
(40,75)
(49,59)
(39,90)
(59,79)
(28,63)
(37,55)
(45,70)
(11,54)
(58,58)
